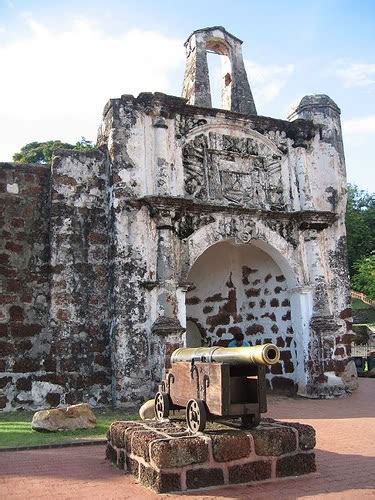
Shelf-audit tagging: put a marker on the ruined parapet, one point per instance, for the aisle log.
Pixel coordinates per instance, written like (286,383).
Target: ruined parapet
(323,111)
(326,173)
(236,92)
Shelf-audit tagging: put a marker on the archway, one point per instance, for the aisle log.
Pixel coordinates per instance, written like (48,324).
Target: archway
(247,288)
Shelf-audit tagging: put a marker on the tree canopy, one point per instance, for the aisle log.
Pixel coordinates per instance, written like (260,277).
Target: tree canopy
(42,152)
(364,276)
(360,225)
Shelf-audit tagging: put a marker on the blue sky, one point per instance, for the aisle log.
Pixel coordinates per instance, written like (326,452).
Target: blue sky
(61,61)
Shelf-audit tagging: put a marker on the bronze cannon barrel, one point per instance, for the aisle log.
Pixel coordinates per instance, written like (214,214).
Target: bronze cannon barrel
(266,354)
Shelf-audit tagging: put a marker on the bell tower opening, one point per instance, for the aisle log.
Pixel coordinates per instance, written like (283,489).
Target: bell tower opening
(201,70)
(220,74)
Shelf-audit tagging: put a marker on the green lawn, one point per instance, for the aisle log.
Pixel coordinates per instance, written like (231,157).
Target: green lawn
(363,313)
(15,429)
(359,305)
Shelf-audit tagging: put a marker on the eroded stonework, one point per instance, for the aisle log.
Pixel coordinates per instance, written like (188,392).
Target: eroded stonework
(233,170)
(185,225)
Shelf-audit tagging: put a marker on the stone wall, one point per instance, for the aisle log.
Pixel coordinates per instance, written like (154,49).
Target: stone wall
(54,268)
(26,362)
(80,253)
(163,456)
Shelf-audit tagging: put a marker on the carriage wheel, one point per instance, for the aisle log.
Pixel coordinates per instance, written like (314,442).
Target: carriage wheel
(196,415)
(250,421)
(161,405)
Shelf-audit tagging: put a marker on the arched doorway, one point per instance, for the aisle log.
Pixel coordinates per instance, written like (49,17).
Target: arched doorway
(246,288)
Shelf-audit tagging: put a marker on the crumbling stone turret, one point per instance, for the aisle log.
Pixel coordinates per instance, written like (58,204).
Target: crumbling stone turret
(236,93)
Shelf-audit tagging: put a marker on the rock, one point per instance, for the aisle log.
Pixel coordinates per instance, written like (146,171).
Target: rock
(70,418)
(147,410)
(350,377)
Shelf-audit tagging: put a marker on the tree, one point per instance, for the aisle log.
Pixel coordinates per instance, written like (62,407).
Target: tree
(42,152)
(360,224)
(364,276)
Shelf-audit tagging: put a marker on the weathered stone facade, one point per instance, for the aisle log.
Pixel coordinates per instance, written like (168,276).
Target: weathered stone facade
(185,225)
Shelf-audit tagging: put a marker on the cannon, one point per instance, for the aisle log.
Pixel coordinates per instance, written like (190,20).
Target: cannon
(216,383)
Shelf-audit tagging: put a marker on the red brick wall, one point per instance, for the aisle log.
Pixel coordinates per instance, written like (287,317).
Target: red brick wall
(24,272)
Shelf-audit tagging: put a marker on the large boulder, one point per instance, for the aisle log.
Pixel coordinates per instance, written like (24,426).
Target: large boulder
(70,418)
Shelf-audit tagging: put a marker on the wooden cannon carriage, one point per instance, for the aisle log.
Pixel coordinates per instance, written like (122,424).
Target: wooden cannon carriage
(217,383)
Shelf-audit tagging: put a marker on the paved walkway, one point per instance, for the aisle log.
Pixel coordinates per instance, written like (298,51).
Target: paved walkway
(345,455)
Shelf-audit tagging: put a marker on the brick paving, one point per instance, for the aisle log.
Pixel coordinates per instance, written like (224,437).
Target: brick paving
(345,456)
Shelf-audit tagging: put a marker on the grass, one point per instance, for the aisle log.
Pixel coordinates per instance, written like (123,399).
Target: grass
(358,305)
(363,313)
(15,429)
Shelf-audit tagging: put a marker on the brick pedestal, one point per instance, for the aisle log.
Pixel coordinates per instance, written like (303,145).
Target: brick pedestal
(164,456)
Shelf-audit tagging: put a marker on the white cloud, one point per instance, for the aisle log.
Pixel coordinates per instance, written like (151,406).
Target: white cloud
(364,125)
(356,74)
(267,81)
(55,84)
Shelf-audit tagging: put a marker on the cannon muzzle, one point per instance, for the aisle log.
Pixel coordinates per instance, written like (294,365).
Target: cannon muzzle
(266,354)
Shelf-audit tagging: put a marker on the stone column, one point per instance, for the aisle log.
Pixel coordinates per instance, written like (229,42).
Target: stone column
(196,86)
(162,166)
(301,299)
(166,329)
(242,100)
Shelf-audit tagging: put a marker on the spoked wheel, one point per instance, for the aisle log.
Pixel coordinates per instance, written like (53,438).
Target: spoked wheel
(161,405)
(196,415)
(250,421)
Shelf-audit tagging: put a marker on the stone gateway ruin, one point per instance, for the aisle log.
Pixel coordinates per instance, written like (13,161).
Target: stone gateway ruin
(185,225)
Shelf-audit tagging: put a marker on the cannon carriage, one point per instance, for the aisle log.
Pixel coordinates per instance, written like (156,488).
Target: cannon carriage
(216,383)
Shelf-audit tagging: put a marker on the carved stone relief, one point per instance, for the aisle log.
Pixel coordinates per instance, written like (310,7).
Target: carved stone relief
(187,224)
(233,170)
(242,229)
(184,124)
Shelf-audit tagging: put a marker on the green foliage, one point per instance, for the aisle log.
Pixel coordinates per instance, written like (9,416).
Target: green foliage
(360,224)
(364,276)
(42,152)
(15,429)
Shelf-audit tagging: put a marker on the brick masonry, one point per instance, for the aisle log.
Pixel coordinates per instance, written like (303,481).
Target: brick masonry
(165,457)
(53,299)
(26,361)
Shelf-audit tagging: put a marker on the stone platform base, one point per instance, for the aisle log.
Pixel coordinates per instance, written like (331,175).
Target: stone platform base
(166,457)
